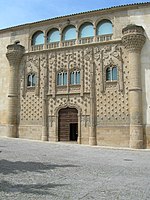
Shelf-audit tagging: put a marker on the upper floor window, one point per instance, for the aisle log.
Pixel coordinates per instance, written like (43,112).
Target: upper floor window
(53,35)
(86,30)
(104,27)
(75,77)
(69,33)
(38,38)
(111,73)
(31,80)
(62,78)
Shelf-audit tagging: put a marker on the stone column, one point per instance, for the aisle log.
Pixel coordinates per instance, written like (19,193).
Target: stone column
(45,107)
(14,55)
(92,135)
(133,40)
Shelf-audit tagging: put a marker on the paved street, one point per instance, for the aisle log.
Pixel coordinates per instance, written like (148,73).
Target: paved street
(57,171)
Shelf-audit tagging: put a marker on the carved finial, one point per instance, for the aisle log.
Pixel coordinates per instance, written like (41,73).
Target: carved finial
(14,53)
(133,37)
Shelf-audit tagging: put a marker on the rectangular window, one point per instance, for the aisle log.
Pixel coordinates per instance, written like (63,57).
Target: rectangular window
(65,78)
(108,74)
(72,78)
(114,73)
(78,77)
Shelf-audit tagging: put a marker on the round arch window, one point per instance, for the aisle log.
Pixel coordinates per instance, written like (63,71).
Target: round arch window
(69,33)
(53,35)
(104,27)
(86,30)
(38,38)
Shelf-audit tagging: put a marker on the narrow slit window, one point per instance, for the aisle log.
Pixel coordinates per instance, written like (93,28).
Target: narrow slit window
(111,73)
(31,80)
(75,77)
(62,78)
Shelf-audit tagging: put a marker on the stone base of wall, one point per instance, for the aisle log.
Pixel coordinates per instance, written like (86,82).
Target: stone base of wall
(8,131)
(147,137)
(30,132)
(84,135)
(4,130)
(114,136)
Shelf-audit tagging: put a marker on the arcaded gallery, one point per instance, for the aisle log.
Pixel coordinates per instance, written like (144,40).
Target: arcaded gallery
(82,78)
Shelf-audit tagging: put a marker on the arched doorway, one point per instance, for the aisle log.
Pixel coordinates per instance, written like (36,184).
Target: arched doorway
(68,124)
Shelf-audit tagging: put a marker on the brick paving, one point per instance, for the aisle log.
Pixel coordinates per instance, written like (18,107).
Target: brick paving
(34,170)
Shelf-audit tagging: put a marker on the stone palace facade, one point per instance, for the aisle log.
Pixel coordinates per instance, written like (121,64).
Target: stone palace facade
(83,77)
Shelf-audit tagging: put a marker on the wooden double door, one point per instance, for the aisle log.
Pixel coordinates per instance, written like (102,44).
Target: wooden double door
(68,124)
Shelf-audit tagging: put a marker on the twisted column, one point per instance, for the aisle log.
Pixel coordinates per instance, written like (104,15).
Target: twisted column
(133,40)
(14,55)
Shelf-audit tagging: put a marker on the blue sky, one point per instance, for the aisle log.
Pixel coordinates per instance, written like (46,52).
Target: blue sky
(16,12)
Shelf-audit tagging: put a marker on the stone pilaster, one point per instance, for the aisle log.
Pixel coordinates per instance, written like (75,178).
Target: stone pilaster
(14,55)
(45,109)
(92,136)
(133,40)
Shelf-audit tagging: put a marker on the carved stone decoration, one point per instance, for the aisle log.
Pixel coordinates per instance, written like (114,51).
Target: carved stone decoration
(133,37)
(69,56)
(110,55)
(120,71)
(52,67)
(133,40)
(82,75)
(33,66)
(23,77)
(37,89)
(14,55)
(52,57)
(88,54)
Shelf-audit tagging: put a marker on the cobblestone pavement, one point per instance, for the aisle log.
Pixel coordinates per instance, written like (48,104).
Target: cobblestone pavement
(57,171)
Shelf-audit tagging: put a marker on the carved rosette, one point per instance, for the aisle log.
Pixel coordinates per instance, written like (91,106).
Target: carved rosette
(133,37)
(14,54)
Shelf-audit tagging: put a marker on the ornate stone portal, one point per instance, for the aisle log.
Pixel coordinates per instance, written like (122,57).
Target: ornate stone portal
(134,39)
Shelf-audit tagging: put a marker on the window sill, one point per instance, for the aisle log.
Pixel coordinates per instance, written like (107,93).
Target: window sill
(30,87)
(111,81)
(61,86)
(74,85)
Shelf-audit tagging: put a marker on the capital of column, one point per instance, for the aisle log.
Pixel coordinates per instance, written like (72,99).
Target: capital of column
(133,37)
(14,54)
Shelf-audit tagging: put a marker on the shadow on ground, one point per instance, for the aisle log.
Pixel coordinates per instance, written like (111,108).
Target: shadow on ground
(8,167)
(37,189)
